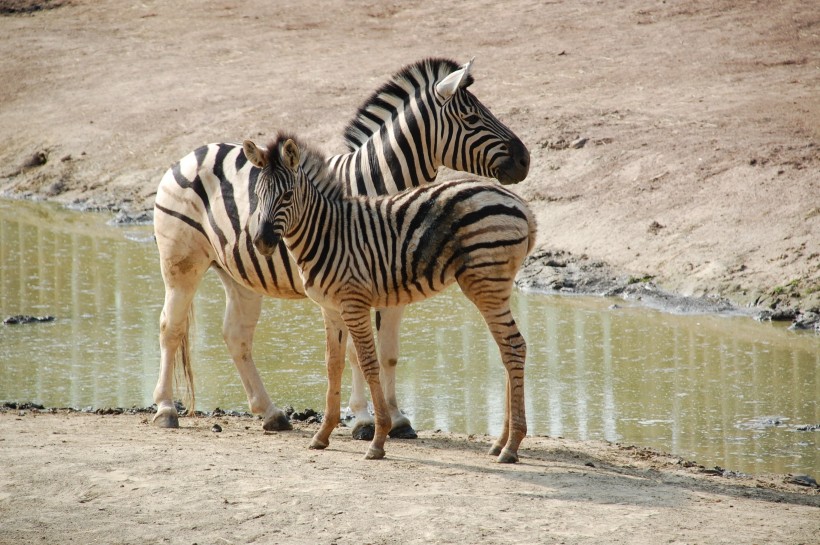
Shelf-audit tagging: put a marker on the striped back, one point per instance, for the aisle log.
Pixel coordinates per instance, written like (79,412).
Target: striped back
(390,250)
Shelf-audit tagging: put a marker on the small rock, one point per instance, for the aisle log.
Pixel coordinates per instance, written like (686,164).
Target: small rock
(37,159)
(655,227)
(26,319)
(808,427)
(56,188)
(304,415)
(803,480)
(578,143)
(806,321)
(216,428)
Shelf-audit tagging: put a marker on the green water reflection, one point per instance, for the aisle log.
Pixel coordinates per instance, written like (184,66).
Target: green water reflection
(707,388)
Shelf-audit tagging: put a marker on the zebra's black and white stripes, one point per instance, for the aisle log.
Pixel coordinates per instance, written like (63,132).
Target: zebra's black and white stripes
(423,118)
(357,253)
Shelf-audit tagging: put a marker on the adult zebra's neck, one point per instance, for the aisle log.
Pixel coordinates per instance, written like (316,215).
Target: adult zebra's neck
(391,160)
(394,137)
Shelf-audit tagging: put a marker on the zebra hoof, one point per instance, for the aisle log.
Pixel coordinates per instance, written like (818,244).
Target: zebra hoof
(317,444)
(403,432)
(507,457)
(279,422)
(166,419)
(365,432)
(374,453)
(495,450)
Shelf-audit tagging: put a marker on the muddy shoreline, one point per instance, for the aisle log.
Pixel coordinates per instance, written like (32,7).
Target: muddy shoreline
(561,272)
(309,419)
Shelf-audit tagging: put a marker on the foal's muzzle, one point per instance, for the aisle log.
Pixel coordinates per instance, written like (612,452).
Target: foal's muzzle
(267,238)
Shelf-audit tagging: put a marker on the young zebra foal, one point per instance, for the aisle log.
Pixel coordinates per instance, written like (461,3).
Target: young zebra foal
(357,253)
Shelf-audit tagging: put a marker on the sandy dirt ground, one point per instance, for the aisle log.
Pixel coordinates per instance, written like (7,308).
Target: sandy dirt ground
(81,478)
(676,141)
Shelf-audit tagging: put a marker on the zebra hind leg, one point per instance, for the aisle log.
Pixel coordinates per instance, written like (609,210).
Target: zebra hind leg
(174,327)
(387,336)
(513,350)
(242,310)
(494,305)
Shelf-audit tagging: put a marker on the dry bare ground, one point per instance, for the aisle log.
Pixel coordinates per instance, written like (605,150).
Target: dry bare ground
(677,140)
(80,478)
(697,121)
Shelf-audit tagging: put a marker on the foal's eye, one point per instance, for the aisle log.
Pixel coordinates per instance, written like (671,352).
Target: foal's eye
(287,196)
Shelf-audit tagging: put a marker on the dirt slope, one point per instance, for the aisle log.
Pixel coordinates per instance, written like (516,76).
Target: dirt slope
(698,122)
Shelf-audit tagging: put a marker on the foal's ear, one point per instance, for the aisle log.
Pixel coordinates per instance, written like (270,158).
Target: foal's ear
(290,155)
(255,155)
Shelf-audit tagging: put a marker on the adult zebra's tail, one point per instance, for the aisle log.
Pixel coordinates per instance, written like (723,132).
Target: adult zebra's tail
(183,370)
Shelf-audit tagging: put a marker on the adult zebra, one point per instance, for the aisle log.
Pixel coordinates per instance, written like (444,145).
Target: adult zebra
(422,118)
(356,253)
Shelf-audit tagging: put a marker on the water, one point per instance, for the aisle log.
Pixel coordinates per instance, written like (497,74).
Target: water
(719,390)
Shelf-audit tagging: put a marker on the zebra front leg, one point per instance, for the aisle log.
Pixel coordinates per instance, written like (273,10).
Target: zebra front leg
(357,320)
(335,341)
(242,310)
(363,424)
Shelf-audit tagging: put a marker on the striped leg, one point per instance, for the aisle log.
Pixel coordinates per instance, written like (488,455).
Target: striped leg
(387,324)
(494,305)
(242,310)
(335,341)
(513,350)
(357,319)
(364,426)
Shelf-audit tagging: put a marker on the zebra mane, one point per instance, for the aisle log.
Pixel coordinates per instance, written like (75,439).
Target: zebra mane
(381,107)
(312,161)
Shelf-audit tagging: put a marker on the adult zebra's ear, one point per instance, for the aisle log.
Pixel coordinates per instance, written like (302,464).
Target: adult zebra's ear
(452,83)
(255,155)
(290,155)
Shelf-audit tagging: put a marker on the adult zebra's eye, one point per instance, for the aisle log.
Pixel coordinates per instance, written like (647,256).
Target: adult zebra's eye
(471,119)
(287,196)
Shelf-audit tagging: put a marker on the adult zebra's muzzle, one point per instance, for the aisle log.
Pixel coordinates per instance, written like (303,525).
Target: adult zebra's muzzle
(267,238)
(517,164)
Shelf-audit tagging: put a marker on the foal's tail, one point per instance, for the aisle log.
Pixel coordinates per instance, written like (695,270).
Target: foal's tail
(183,370)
